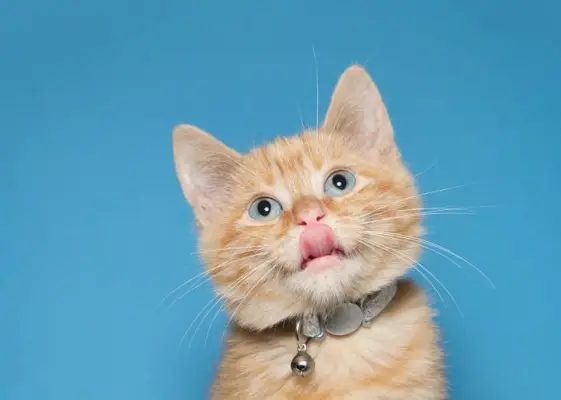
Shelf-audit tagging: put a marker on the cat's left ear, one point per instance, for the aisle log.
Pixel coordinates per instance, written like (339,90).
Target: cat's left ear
(358,112)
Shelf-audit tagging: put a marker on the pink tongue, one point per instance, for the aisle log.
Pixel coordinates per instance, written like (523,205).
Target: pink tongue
(317,241)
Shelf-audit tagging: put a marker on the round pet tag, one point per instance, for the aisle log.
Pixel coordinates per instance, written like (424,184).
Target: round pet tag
(344,319)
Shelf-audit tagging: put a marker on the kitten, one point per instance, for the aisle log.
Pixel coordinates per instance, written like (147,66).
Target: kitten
(300,226)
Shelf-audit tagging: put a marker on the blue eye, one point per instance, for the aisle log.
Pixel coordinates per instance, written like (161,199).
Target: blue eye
(339,183)
(264,209)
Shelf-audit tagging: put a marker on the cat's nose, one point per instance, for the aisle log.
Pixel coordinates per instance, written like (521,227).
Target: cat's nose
(310,216)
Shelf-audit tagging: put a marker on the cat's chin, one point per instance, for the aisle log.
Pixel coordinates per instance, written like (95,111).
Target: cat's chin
(327,279)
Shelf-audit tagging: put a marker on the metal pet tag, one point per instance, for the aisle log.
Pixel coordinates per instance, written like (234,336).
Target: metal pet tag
(311,326)
(374,304)
(344,319)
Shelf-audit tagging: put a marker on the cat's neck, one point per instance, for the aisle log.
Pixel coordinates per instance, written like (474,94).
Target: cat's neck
(340,319)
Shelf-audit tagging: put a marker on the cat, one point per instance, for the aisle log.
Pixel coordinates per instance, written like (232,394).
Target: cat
(300,226)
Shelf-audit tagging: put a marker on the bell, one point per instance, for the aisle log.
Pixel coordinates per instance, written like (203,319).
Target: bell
(302,364)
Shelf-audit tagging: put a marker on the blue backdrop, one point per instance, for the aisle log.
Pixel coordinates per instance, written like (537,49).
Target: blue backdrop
(94,231)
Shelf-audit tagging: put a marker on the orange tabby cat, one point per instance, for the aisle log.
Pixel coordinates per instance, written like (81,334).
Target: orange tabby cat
(301,226)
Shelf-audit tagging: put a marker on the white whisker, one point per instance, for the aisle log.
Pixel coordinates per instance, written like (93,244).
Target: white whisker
(201,274)
(212,303)
(414,263)
(267,272)
(301,118)
(416,214)
(438,249)
(419,211)
(426,169)
(408,260)
(228,249)
(317,87)
(421,195)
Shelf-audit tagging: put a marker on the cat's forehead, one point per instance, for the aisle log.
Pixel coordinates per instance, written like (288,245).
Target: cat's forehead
(290,167)
(287,156)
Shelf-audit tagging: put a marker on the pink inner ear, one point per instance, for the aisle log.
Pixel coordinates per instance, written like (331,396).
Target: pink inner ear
(317,241)
(357,111)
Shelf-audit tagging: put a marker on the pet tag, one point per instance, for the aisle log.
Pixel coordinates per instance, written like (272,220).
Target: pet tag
(377,302)
(311,326)
(344,319)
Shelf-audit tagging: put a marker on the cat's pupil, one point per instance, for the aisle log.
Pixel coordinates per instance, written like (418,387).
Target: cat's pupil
(264,207)
(339,181)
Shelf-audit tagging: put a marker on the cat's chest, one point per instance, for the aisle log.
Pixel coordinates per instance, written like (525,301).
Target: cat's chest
(342,364)
(396,357)
(337,356)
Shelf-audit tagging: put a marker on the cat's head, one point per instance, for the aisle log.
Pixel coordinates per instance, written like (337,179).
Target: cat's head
(308,221)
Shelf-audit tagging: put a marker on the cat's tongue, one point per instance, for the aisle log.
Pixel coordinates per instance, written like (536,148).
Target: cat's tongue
(317,241)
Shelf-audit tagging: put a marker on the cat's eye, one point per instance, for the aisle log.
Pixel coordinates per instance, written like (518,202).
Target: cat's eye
(264,209)
(339,183)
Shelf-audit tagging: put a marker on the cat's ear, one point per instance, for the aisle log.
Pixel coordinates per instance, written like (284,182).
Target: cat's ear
(358,112)
(204,166)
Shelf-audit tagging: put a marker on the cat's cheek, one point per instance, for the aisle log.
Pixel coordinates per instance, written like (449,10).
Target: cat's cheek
(288,252)
(347,232)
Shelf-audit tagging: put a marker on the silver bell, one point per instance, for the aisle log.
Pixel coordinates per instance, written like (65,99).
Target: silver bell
(302,364)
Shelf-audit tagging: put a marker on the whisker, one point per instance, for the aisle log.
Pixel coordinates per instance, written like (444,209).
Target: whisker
(317,87)
(229,248)
(414,263)
(267,272)
(422,211)
(215,301)
(255,269)
(235,285)
(301,118)
(438,249)
(424,194)
(408,260)
(426,169)
(203,273)
(444,287)
(208,304)
(208,277)
(418,241)
(405,215)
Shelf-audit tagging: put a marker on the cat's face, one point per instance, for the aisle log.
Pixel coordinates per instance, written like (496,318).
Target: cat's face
(307,221)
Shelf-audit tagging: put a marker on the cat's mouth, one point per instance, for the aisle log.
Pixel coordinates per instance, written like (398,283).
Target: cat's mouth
(319,263)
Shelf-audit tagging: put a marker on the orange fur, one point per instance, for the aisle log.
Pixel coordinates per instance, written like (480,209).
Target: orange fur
(255,265)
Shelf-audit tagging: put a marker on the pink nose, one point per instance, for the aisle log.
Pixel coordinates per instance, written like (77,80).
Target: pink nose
(317,240)
(310,216)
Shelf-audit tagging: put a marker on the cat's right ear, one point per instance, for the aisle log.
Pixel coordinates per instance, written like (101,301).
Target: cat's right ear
(204,166)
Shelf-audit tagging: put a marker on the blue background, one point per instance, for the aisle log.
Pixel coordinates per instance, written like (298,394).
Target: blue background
(94,231)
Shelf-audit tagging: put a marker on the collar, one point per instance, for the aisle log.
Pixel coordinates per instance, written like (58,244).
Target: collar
(344,319)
